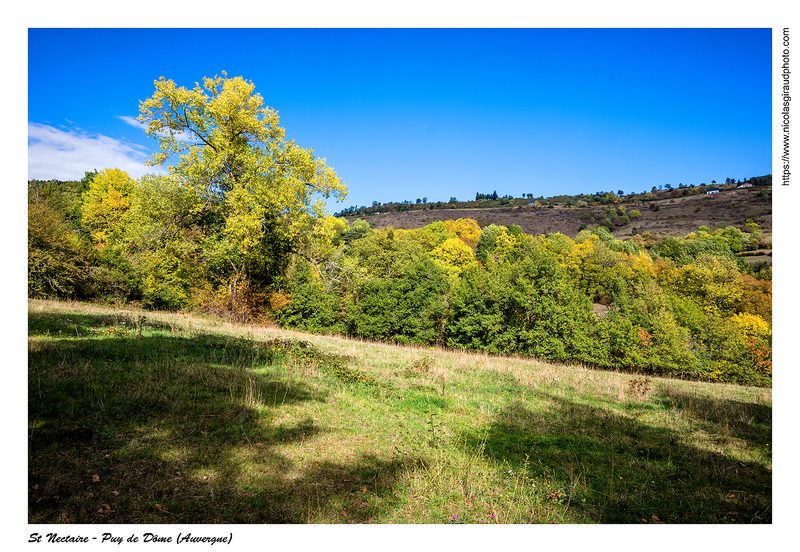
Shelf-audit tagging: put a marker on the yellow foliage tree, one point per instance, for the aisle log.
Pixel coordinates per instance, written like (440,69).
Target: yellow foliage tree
(635,268)
(505,246)
(752,325)
(324,248)
(713,281)
(432,235)
(453,257)
(465,228)
(756,297)
(105,202)
(221,139)
(757,336)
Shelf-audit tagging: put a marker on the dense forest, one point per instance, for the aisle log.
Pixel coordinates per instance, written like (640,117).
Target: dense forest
(235,229)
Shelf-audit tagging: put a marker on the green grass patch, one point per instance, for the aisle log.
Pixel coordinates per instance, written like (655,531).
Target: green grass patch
(139,417)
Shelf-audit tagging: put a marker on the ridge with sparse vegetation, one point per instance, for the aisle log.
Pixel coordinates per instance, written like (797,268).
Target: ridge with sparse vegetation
(655,214)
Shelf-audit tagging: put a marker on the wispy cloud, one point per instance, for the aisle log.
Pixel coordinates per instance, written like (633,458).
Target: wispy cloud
(68,154)
(182,136)
(133,121)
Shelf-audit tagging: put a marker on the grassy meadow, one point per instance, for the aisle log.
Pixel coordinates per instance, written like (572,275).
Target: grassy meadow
(144,417)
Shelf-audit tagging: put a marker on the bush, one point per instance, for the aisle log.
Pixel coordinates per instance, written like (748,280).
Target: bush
(306,305)
(58,263)
(407,309)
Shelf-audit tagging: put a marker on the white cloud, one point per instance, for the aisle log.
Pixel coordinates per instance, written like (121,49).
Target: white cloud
(182,136)
(131,121)
(67,155)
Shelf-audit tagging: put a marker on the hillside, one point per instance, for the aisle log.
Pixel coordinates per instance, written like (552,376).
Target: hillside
(159,418)
(676,216)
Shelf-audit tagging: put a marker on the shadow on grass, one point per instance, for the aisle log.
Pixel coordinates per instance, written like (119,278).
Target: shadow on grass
(149,424)
(722,416)
(610,467)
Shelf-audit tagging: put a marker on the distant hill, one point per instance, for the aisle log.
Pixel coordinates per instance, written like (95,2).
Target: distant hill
(666,213)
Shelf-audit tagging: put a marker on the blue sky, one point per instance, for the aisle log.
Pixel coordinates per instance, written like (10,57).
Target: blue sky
(410,113)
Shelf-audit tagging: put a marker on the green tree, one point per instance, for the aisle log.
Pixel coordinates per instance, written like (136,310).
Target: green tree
(310,307)
(166,233)
(357,230)
(410,308)
(754,239)
(666,346)
(384,253)
(526,307)
(734,237)
(488,240)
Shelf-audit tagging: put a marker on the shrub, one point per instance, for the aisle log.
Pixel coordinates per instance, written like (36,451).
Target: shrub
(305,305)
(407,309)
(58,264)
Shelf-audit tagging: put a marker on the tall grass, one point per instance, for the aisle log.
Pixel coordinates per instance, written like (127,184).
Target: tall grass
(141,417)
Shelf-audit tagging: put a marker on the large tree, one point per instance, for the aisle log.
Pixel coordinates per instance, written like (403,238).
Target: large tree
(224,143)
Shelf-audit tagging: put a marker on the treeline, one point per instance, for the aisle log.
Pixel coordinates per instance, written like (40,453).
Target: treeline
(687,307)
(684,307)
